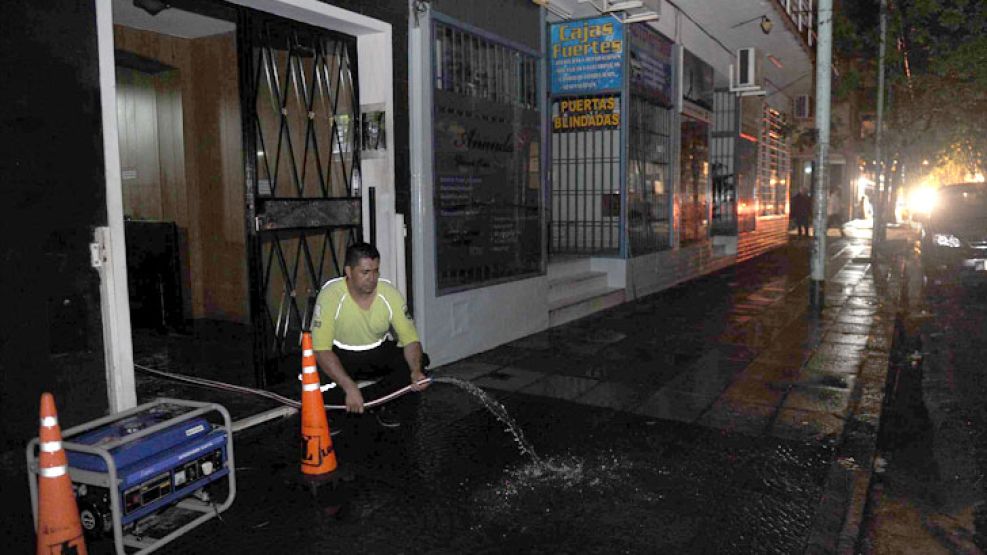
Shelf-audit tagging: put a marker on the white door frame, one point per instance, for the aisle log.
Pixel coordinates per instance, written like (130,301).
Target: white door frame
(376,87)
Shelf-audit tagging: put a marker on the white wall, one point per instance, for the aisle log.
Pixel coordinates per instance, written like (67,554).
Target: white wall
(683,31)
(461,324)
(375,53)
(657,271)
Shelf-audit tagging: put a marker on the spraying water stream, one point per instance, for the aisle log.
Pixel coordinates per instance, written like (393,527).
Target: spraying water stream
(498,410)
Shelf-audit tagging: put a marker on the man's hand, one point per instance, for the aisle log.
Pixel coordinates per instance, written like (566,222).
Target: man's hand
(354,400)
(331,365)
(416,377)
(413,356)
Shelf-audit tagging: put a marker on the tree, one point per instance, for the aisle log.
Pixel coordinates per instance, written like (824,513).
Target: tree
(937,75)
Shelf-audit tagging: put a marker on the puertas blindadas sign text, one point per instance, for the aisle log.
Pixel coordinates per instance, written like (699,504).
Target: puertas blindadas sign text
(578,114)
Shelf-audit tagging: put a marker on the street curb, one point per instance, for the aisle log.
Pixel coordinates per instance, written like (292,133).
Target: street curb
(837,525)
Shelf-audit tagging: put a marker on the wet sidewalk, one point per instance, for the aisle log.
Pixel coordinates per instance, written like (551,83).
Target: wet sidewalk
(737,351)
(720,416)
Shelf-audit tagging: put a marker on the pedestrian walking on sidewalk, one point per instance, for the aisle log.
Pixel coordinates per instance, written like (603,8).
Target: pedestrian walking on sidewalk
(801,210)
(834,210)
(351,328)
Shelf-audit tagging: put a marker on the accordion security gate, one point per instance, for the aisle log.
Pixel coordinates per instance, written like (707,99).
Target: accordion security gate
(300,110)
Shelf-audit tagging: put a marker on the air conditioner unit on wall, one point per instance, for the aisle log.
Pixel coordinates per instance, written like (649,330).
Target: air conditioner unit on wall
(748,68)
(745,73)
(803,107)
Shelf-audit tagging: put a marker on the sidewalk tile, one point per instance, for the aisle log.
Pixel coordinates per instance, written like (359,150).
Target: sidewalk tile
(560,387)
(709,385)
(866,290)
(509,379)
(652,374)
(785,354)
(841,350)
(673,405)
(836,300)
(466,369)
(541,341)
(604,336)
(612,395)
(771,371)
(817,399)
(861,302)
(837,380)
(881,343)
(708,374)
(548,363)
(744,418)
(846,338)
(501,356)
(736,352)
(861,311)
(755,392)
(821,362)
(843,327)
(803,425)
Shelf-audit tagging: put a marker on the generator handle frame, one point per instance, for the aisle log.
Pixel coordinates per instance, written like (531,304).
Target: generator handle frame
(113,481)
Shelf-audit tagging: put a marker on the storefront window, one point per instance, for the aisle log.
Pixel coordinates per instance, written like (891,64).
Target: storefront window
(648,192)
(487,162)
(693,180)
(746,183)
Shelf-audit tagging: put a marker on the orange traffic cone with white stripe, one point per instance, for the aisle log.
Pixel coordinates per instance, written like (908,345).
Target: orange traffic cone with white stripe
(318,456)
(59,528)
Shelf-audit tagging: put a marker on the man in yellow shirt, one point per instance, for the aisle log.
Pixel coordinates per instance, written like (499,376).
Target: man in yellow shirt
(352,325)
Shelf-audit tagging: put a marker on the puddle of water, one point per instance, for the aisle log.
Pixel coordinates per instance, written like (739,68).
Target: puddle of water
(567,483)
(566,479)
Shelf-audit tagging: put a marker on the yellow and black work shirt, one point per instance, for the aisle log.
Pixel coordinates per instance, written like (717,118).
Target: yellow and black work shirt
(339,321)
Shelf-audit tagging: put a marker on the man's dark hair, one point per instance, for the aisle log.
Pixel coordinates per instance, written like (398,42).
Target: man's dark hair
(358,251)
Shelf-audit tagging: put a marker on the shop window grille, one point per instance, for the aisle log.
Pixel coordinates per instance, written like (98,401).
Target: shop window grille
(774,165)
(473,66)
(586,207)
(726,120)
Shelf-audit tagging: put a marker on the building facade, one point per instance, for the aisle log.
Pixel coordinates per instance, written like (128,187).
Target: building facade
(660,158)
(201,168)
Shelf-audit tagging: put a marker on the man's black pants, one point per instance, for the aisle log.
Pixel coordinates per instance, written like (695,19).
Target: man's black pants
(385,364)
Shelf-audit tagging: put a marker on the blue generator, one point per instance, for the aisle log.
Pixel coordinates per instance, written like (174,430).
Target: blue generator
(132,470)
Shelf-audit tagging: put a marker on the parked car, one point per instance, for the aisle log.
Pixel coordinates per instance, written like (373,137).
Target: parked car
(954,234)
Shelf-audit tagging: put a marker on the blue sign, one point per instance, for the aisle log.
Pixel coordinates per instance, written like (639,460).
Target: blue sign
(587,56)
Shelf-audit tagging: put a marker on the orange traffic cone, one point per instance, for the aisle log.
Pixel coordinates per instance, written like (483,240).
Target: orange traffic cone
(318,456)
(59,528)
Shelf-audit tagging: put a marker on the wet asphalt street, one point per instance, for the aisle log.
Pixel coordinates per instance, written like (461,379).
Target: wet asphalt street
(930,497)
(720,416)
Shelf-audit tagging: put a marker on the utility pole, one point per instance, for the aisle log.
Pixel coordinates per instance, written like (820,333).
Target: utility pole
(824,72)
(880,206)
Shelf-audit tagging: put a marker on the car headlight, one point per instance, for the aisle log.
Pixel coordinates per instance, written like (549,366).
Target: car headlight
(946,240)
